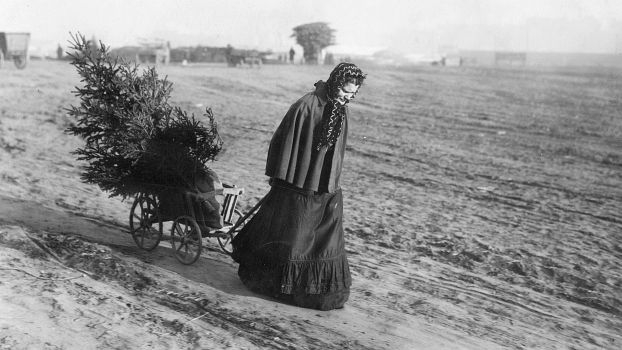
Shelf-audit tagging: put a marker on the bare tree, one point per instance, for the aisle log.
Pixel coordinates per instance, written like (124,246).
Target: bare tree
(313,37)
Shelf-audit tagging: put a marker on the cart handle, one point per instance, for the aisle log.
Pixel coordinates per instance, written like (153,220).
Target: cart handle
(248,214)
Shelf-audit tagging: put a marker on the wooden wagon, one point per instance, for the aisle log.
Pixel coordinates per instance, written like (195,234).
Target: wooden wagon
(14,46)
(194,216)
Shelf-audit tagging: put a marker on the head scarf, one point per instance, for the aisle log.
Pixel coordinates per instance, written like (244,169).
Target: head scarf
(334,114)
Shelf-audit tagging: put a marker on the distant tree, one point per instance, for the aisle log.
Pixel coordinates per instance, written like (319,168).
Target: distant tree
(313,37)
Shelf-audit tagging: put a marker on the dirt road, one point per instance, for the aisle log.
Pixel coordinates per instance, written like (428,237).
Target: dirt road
(482,211)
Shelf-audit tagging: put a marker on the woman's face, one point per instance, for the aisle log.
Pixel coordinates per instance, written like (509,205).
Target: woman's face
(346,93)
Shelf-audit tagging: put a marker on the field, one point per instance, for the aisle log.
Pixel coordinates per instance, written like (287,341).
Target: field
(482,211)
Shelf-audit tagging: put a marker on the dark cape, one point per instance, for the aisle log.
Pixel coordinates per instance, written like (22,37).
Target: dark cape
(293,247)
(291,156)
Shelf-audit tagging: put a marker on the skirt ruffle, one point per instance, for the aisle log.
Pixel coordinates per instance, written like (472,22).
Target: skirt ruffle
(316,276)
(299,277)
(267,281)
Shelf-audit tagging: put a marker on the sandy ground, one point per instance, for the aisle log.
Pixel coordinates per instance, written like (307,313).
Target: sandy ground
(482,211)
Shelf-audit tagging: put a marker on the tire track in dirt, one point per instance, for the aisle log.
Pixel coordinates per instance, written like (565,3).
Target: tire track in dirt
(427,296)
(430,286)
(262,331)
(510,200)
(501,196)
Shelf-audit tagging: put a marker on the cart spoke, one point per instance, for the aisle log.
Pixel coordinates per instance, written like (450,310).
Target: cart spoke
(184,232)
(150,209)
(145,225)
(148,232)
(176,230)
(143,216)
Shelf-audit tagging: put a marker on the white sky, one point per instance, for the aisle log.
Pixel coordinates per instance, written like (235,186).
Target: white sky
(404,25)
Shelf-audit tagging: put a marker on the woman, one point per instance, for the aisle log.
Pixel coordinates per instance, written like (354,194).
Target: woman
(293,248)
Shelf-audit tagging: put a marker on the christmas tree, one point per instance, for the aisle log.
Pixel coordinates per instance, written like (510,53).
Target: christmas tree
(135,141)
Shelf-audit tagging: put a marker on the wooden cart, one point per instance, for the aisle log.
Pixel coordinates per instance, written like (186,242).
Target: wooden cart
(14,46)
(193,219)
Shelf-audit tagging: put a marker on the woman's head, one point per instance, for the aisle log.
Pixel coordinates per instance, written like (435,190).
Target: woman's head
(344,82)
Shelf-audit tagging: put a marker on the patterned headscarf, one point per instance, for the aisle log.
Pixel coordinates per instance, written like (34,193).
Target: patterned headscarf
(334,114)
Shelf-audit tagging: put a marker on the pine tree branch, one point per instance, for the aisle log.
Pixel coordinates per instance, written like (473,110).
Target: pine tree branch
(132,134)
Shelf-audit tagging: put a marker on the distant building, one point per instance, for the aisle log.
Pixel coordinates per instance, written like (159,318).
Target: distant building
(450,56)
(510,58)
(553,59)
(157,53)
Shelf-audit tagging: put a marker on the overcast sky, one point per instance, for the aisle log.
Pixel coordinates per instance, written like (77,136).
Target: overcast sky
(403,25)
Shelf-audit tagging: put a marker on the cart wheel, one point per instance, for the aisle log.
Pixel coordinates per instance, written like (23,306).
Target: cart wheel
(186,239)
(20,61)
(225,239)
(145,223)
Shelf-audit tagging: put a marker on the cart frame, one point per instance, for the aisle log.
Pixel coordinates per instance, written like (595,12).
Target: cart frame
(14,46)
(186,234)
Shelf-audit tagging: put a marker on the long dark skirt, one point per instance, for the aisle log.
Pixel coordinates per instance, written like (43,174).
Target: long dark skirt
(293,248)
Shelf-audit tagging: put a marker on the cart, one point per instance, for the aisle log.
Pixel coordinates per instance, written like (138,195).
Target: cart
(193,219)
(14,46)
